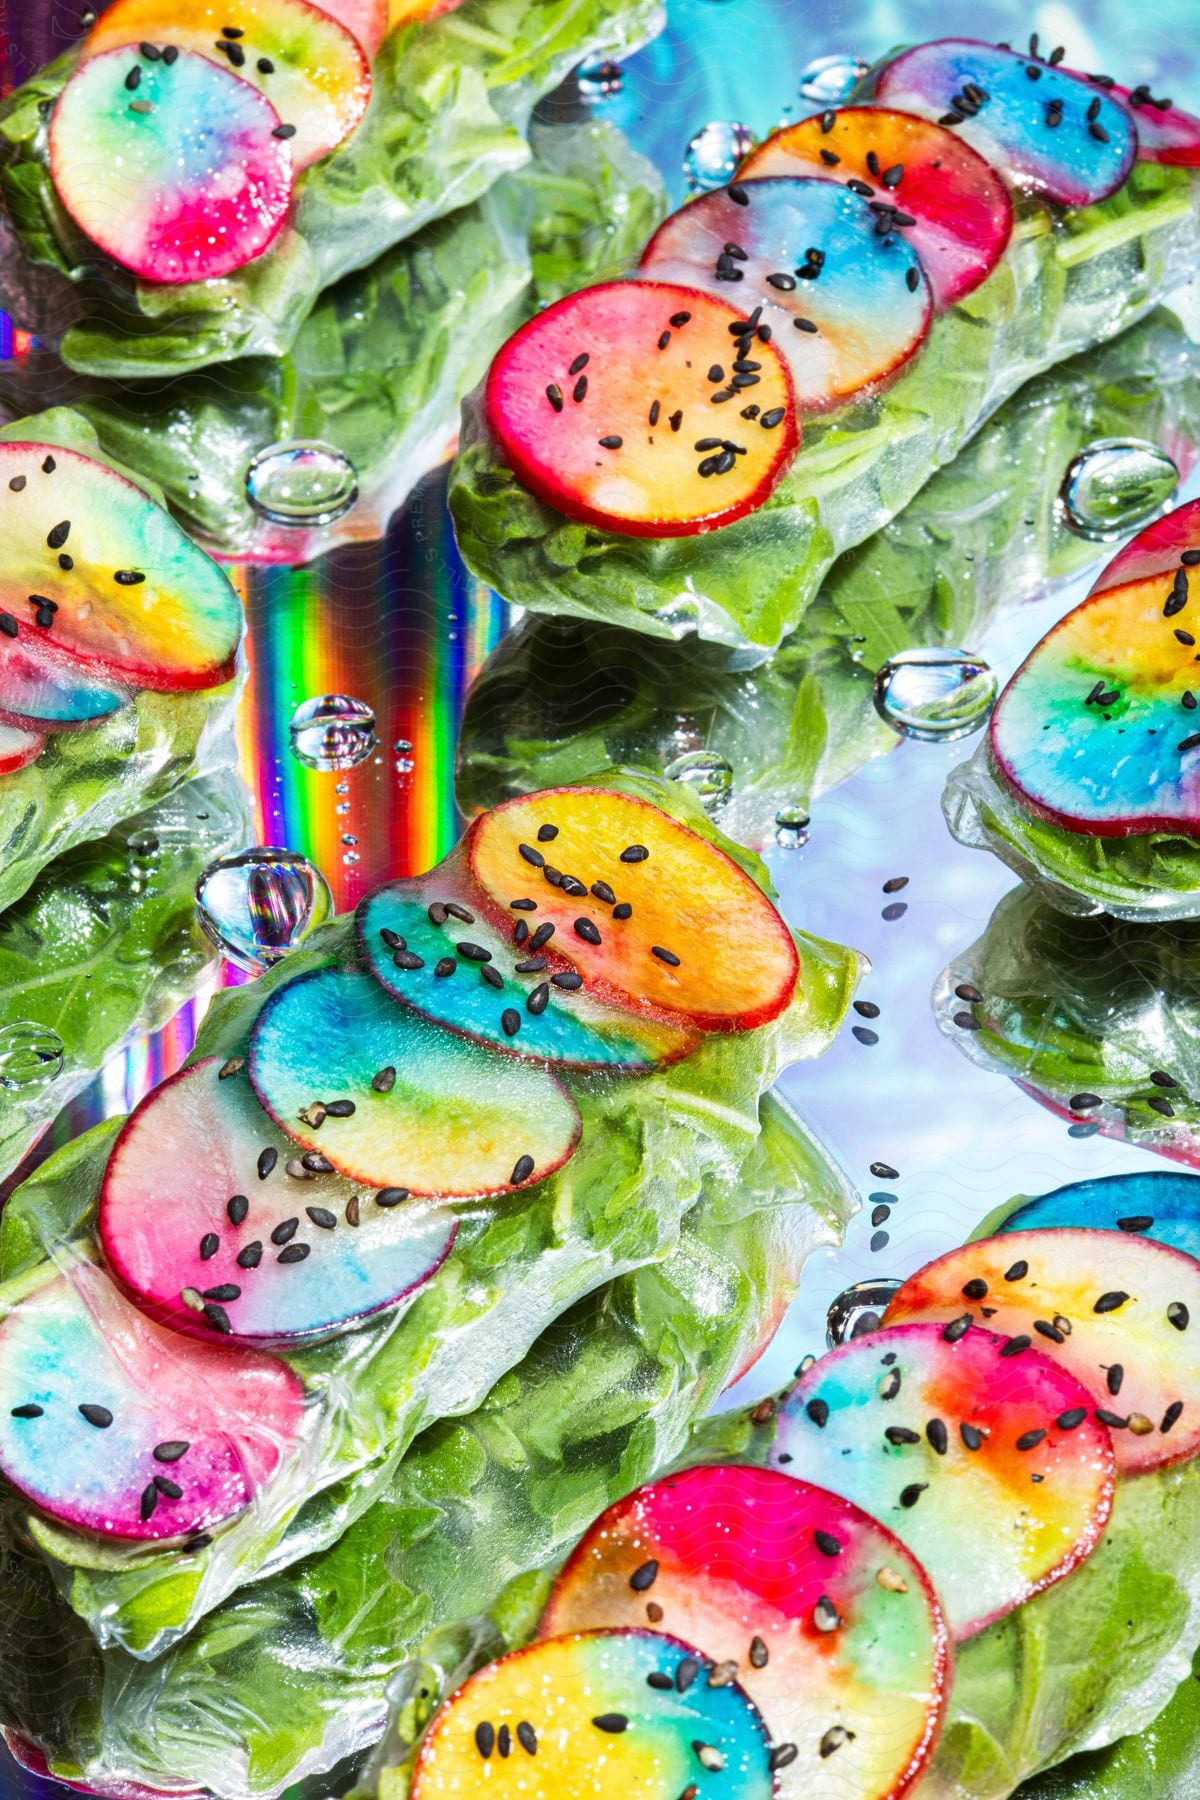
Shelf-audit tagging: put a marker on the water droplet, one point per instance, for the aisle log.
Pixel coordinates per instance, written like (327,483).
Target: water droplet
(935,695)
(261,903)
(332,731)
(349,838)
(791,827)
(144,852)
(706,773)
(404,756)
(1114,485)
(302,483)
(600,78)
(30,1055)
(857,1310)
(830,80)
(713,154)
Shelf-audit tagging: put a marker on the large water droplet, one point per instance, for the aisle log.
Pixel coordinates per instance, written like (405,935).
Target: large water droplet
(258,905)
(303,483)
(935,695)
(791,827)
(1114,485)
(713,154)
(332,731)
(706,773)
(857,1310)
(30,1055)
(600,78)
(829,80)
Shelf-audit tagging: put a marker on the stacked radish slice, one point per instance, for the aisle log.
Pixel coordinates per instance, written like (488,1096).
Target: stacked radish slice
(676,406)
(923,1482)
(270,1200)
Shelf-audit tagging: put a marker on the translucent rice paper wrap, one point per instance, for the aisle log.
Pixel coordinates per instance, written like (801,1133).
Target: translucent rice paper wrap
(650,1148)
(1068,280)
(105,947)
(288,1677)
(1089,1006)
(451,99)
(560,697)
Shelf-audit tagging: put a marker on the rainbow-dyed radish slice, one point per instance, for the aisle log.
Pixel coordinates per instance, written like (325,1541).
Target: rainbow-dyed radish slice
(20,745)
(1043,128)
(40,689)
(686,935)
(178,177)
(1096,729)
(311,68)
(955,1446)
(956,212)
(481,978)
(429,1113)
(1113,1309)
(621,1712)
(30,1756)
(832,1625)
(114,1426)
(367,20)
(129,597)
(847,304)
(1154,1203)
(1165,133)
(622,406)
(209,1239)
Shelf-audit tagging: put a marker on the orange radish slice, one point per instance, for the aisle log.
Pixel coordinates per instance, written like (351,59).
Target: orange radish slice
(622,406)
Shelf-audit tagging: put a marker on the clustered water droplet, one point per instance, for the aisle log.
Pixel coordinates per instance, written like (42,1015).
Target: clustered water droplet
(857,1310)
(31,1055)
(935,695)
(713,154)
(792,824)
(831,80)
(304,483)
(600,78)
(1115,484)
(259,904)
(332,731)
(706,773)
(404,756)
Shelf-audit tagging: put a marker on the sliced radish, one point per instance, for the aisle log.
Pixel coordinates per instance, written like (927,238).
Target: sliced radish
(179,177)
(203,1242)
(960,211)
(367,20)
(28,1755)
(122,591)
(456,1121)
(686,936)
(622,1712)
(1096,730)
(20,745)
(867,296)
(112,1425)
(310,67)
(1042,127)
(1155,1203)
(1114,1309)
(830,1623)
(618,406)
(1165,133)
(481,978)
(40,689)
(954,1445)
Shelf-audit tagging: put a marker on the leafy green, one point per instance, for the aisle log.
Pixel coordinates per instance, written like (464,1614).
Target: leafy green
(1062,286)
(289,1675)
(452,97)
(1162,1761)
(561,697)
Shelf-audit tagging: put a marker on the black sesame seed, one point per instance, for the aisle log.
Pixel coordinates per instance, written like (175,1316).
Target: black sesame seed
(59,534)
(611,442)
(265,66)
(623,911)
(644,1577)
(818,1412)
(1136,1222)
(444,966)
(384,1080)
(957,1329)
(491,975)
(226,1291)
(531,855)
(171,1451)
(1114,1299)
(149,1501)
(293,1254)
(976,1289)
(250,1257)
(1097,131)
(770,420)
(523,905)
(680,318)
(686,1671)
(1029,1440)
(667,956)
(580,362)
(1114,1378)
(284,131)
(218,1318)
(31,1410)
(473,952)
(1171,1417)
(1016,1271)
(602,891)
(128,577)
(322,1217)
(971,1436)
(522,1169)
(1178,1315)
(394,941)
(99,1416)
(341,1109)
(538,1000)
(554,396)
(527,1738)
(510,1021)
(898,1435)
(485,1739)
(612,1721)
(569,980)
(285,1231)
(133,79)
(1071,1419)
(938,1436)
(210,1243)
(912,1493)
(408,959)
(587,930)
(1113,1420)
(266,1161)
(1016,1345)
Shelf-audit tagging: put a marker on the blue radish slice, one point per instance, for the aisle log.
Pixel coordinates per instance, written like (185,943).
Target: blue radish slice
(955,1446)
(475,977)
(831,1623)
(1043,128)
(20,745)
(456,1122)
(808,252)
(112,1425)
(600,1712)
(40,688)
(1155,1203)
(205,1243)
(179,177)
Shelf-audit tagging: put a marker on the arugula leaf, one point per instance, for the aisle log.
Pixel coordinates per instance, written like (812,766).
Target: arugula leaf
(1162,1761)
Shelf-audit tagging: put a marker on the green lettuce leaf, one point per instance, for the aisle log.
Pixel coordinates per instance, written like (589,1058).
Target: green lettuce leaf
(561,697)
(452,97)
(1064,284)
(1162,1761)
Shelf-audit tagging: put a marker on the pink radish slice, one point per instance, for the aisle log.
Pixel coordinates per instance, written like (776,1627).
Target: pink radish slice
(1165,133)
(366,19)
(20,745)
(1159,549)
(28,1755)
(178,177)
(112,1425)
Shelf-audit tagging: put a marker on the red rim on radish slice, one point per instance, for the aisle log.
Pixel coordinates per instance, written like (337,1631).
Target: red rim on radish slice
(1165,133)
(455,1122)
(112,1425)
(830,1624)
(209,1225)
(846,303)
(622,406)
(42,691)
(20,745)
(178,177)
(311,68)
(686,936)
(96,575)
(956,212)
(32,1757)
(1113,1309)
(989,1465)
(367,20)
